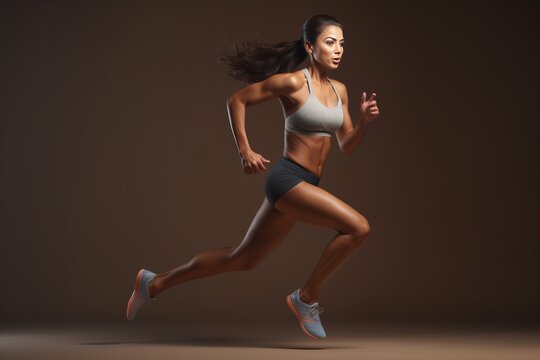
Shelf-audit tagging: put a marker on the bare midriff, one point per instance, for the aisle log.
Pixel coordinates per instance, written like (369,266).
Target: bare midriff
(308,151)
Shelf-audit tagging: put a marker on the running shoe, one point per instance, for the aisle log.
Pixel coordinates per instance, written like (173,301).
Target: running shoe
(307,314)
(141,293)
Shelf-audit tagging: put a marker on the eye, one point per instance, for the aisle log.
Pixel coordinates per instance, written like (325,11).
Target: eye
(329,42)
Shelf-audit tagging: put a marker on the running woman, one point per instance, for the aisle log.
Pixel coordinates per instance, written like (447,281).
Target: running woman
(314,107)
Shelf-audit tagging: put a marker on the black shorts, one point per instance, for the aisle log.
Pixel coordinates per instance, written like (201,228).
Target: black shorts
(283,176)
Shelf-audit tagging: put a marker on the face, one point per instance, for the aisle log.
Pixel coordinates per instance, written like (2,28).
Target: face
(328,49)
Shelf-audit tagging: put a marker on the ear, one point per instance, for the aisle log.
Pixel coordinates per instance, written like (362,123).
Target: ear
(308,47)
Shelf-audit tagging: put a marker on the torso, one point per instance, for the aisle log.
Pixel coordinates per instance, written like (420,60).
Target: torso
(309,151)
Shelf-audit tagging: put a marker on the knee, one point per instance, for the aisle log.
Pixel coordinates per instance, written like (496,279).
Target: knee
(247,265)
(361,231)
(243,262)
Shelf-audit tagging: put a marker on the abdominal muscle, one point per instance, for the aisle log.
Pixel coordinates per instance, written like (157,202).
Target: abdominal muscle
(308,151)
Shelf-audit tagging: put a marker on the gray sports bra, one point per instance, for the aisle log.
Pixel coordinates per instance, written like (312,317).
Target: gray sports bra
(312,117)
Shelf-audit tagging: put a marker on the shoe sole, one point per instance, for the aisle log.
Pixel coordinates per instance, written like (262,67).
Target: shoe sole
(135,293)
(297,314)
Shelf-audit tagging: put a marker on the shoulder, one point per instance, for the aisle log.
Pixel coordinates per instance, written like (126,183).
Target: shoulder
(341,88)
(286,82)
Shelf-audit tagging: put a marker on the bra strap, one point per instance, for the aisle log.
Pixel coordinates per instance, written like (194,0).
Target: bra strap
(308,77)
(331,83)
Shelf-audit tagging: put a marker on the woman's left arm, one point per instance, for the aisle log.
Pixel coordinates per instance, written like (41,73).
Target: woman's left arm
(350,137)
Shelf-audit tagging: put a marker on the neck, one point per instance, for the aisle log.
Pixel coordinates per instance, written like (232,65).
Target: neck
(319,75)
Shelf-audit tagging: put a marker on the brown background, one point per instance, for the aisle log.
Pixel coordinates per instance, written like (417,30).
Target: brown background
(117,154)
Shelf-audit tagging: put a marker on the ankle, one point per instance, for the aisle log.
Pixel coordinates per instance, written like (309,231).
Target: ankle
(153,288)
(306,297)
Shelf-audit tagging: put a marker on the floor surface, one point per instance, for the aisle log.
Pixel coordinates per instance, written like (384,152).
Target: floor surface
(144,340)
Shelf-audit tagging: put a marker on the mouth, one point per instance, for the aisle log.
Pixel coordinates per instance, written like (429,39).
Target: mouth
(336,60)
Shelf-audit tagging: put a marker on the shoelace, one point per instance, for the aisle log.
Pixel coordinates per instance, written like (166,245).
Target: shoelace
(317,310)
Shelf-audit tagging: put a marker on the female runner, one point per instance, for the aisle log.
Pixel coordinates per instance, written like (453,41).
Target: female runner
(314,107)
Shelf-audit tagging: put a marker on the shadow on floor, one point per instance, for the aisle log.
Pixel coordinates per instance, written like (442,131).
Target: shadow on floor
(209,340)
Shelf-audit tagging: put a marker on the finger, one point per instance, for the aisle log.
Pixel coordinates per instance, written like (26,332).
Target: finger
(372,105)
(363,99)
(255,167)
(266,160)
(261,166)
(371,97)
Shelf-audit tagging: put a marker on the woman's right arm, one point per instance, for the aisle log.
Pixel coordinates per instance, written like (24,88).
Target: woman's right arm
(270,88)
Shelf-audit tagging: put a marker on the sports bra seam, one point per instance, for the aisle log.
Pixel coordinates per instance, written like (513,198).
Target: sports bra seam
(310,133)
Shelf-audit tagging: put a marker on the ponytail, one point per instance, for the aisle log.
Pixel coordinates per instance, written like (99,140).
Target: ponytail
(254,61)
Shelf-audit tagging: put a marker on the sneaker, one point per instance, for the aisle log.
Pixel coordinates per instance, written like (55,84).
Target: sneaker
(307,314)
(140,294)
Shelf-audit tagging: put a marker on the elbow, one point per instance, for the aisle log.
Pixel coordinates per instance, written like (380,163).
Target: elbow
(232,100)
(229,101)
(345,150)
(344,141)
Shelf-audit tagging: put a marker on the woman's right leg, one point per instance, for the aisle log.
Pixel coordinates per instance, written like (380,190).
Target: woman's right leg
(268,228)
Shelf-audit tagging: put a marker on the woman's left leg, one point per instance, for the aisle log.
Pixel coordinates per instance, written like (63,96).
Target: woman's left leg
(314,205)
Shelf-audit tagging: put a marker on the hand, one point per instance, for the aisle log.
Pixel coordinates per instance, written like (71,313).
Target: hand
(252,162)
(368,109)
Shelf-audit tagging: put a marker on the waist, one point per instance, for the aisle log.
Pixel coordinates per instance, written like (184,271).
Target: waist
(300,167)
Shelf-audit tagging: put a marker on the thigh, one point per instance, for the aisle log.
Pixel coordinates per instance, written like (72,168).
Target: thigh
(314,205)
(283,176)
(267,229)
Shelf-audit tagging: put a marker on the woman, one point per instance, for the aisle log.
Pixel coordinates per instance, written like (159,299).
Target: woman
(314,107)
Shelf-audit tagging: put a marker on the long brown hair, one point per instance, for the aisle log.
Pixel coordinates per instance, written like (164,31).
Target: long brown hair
(253,61)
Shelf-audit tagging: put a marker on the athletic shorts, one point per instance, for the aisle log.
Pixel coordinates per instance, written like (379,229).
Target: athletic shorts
(283,176)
